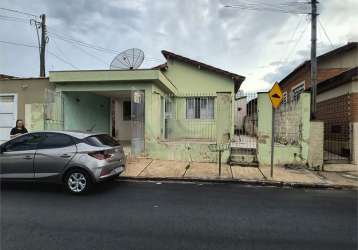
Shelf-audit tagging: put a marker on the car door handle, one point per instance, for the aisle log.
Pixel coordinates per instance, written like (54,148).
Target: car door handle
(65,156)
(27,157)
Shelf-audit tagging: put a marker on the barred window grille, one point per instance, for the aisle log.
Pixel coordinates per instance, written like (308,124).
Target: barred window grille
(296,92)
(190,116)
(200,108)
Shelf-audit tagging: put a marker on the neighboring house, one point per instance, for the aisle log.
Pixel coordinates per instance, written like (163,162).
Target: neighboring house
(16,94)
(336,99)
(329,65)
(337,106)
(172,111)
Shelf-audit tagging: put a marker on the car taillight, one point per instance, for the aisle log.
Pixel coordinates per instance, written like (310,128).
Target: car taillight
(100,155)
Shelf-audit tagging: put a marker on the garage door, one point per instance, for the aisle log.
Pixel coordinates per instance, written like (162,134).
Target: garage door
(8,115)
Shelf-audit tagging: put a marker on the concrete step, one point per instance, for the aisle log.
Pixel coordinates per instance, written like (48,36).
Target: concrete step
(243,159)
(243,151)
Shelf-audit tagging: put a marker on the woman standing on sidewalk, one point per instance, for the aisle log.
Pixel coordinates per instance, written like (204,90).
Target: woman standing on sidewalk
(19,129)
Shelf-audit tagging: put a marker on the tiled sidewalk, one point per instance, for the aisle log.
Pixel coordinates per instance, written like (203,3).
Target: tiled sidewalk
(346,175)
(341,174)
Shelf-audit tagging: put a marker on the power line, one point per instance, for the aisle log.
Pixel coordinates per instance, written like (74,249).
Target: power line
(288,7)
(292,38)
(325,33)
(264,9)
(61,59)
(89,54)
(9,20)
(58,49)
(69,39)
(297,41)
(19,44)
(14,19)
(83,50)
(266,3)
(92,46)
(33,46)
(19,12)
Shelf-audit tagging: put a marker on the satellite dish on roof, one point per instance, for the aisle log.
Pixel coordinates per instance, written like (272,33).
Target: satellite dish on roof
(128,59)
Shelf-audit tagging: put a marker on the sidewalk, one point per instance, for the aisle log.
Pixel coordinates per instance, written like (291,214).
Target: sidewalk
(337,176)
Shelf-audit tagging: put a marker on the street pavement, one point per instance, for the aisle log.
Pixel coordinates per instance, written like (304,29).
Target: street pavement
(149,215)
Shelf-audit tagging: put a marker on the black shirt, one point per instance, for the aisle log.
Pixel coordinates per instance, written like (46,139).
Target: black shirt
(15,131)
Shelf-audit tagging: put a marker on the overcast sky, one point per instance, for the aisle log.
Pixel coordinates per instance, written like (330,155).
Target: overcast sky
(263,46)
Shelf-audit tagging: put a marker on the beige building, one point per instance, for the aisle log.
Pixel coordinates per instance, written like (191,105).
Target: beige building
(337,99)
(329,65)
(15,94)
(337,106)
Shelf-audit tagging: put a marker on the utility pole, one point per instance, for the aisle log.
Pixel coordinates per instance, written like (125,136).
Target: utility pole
(313,58)
(43,45)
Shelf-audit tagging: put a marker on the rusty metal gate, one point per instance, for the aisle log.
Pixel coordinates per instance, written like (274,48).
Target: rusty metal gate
(337,142)
(243,149)
(245,121)
(336,115)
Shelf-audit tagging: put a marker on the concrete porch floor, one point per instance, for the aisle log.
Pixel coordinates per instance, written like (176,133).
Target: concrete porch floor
(149,168)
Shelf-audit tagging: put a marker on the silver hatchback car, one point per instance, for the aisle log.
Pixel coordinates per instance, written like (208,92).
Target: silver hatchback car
(76,159)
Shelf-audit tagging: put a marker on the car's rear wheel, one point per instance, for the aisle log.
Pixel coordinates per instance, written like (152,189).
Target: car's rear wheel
(77,181)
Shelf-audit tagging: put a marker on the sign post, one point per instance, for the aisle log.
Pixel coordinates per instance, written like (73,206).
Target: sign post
(275,95)
(220,148)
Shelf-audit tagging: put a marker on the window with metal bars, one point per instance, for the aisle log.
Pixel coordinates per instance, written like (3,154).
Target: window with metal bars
(200,108)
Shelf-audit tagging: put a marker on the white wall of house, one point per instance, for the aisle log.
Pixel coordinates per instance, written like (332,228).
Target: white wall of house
(350,87)
(348,59)
(8,115)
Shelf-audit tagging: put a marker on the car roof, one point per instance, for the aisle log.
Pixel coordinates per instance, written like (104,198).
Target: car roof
(76,134)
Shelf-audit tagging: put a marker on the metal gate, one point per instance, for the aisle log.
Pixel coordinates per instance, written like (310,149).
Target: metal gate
(53,110)
(137,120)
(336,115)
(337,141)
(243,148)
(245,122)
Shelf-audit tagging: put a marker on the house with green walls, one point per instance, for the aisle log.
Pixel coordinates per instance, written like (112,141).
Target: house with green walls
(173,111)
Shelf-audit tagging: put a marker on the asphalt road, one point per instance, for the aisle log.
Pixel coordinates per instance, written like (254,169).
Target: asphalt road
(134,215)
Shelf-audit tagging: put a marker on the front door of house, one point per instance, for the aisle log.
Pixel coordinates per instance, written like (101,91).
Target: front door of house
(137,119)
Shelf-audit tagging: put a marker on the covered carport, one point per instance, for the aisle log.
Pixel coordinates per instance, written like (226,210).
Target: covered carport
(117,102)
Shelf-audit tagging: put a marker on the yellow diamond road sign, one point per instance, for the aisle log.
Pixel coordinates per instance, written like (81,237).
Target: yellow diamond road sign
(275,95)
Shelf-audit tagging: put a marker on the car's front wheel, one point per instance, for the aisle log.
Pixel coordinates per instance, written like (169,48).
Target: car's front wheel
(77,181)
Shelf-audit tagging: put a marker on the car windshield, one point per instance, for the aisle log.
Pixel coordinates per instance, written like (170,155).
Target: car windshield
(101,141)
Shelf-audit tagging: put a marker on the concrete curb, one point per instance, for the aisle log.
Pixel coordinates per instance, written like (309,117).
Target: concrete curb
(241,181)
